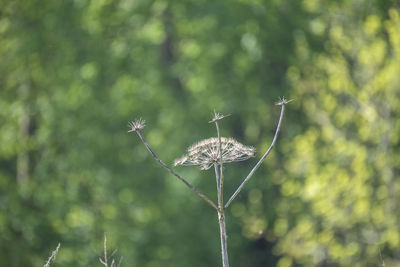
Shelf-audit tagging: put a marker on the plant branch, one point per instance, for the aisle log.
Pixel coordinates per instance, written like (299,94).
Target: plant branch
(221,221)
(105,260)
(220,191)
(174,173)
(262,158)
(220,184)
(52,256)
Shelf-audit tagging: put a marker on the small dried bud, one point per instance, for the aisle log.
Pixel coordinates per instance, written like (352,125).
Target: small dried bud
(206,153)
(218,117)
(283,101)
(136,125)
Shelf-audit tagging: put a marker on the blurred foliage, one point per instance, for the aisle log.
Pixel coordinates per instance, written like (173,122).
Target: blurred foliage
(73,73)
(343,169)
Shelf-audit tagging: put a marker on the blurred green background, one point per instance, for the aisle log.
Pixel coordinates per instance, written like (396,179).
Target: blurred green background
(73,73)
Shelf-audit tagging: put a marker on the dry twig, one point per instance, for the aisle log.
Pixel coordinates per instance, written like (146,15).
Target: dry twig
(137,130)
(52,256)
(105,259)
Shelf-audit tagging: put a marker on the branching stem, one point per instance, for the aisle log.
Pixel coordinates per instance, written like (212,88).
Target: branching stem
(174,173)
(104,261)
(220,191)
(218,167)
(260,161)
(220,183)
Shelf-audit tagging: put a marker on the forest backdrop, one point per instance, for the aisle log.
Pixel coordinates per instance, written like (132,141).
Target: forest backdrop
(74,73)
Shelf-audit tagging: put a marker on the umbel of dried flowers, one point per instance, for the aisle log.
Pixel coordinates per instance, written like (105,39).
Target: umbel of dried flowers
(207,152)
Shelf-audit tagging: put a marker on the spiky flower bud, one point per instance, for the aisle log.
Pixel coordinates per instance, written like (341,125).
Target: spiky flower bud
(136,125)
(283,101)
(218,116)
(206,153)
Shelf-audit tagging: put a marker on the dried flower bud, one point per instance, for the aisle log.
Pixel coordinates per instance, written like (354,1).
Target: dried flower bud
(136,125)
(283,101)
(218,117)
(206,153)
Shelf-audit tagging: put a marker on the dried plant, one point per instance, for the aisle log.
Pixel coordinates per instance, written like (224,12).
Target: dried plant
(52,256)
(105,260)
(206,153)
(136,125)
(215,152)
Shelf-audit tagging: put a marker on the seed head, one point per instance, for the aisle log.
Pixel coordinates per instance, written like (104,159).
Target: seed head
(283,101)
(206,153)
(136,125)
(218,117)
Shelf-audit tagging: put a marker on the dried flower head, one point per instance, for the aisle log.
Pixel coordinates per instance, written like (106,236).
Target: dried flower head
(218,116)
(283,101)
(206,153)
(136,125)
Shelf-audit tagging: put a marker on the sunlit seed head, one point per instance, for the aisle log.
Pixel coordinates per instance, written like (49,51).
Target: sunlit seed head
(206,153)
(136,125)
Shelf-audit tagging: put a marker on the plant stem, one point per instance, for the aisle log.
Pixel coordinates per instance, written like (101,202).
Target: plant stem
(220,183)
(174,173)
(222,230)
(221,211)
(105,262)
(260,161)
(52,256)
(221,221)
